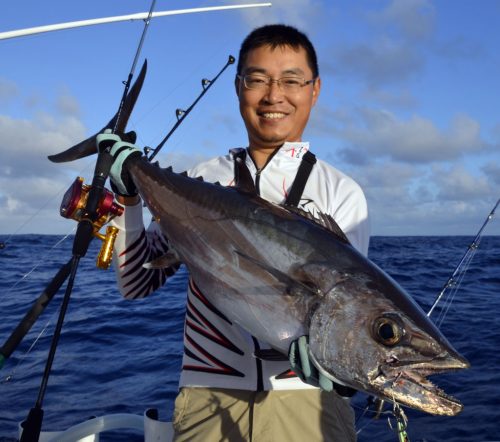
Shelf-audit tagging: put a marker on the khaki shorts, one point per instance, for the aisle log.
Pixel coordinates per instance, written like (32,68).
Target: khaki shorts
(213,415)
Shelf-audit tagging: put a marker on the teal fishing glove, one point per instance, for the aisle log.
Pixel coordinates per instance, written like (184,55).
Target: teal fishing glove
(122,151)
(304,368)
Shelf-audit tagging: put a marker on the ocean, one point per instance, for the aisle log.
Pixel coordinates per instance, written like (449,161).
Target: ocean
(118,356)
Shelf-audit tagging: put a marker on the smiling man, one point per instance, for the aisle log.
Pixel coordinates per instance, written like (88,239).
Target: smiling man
(277,87)
(232,386)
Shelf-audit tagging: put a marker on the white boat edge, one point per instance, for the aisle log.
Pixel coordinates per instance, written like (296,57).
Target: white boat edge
(88,431)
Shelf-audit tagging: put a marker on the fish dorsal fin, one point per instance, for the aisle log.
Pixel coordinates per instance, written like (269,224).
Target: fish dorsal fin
(184,174)
(324,220)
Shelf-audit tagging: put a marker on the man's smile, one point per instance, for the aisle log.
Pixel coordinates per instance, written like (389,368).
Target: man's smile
(272,115)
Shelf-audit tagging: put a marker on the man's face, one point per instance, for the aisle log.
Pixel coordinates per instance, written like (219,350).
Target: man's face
(272,115)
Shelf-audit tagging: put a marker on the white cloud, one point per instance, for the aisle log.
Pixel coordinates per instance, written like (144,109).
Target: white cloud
(413,19)
(401,98)
(408,199)
(67,104)
(368,133)
(25,144)
(300,13)
(458,184)
(8,90)
(31,187)
(492,171)
(390,47)
(377,62)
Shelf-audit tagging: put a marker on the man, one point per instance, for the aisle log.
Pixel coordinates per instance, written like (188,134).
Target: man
(227,392)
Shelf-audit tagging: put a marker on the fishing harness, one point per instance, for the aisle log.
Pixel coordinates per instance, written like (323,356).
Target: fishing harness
(299,183)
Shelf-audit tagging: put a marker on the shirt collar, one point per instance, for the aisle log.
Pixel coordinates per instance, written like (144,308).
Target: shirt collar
(294,149)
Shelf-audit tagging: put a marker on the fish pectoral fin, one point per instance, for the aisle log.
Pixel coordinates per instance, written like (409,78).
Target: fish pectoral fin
(293,285)
(170,259)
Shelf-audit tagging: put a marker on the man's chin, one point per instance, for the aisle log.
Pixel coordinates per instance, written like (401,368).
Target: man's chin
(269,142)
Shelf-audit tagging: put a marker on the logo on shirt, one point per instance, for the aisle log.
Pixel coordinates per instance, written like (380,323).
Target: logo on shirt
(296,150)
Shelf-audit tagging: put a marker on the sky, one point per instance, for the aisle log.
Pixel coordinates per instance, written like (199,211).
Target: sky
(408,106)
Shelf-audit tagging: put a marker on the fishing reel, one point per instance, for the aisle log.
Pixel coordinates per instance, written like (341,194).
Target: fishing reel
(73,207)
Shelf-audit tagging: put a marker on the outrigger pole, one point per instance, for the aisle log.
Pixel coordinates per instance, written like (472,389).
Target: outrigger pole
(131,17)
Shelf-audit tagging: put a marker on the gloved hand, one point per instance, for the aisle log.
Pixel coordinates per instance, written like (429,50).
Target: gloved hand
(121,182)
(304,368)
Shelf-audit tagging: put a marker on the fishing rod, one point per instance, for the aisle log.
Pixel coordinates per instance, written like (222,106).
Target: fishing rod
(181,114)
(84,234)
(73,206)
(471,250)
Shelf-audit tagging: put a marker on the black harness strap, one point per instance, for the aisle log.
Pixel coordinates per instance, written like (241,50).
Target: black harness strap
(239,155)
(299,183)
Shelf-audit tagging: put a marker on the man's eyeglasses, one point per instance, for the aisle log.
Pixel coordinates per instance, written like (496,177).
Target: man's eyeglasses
(288,84)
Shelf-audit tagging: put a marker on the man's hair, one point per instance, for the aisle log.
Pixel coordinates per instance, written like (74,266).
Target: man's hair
(278,36)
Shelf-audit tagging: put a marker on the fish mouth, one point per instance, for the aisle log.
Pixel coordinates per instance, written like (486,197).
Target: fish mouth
(406,383)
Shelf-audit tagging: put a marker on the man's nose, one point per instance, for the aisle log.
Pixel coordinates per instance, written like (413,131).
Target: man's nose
(274,92)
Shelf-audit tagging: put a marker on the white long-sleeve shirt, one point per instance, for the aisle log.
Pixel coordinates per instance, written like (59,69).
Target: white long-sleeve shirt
(217,352)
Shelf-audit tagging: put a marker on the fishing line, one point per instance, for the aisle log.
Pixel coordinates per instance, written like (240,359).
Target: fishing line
(456,285)
(186,78)
(134,64)
(211,56)
(367,410)
(41,261)
(23,357)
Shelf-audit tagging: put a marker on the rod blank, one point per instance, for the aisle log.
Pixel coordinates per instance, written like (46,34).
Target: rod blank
(130,17)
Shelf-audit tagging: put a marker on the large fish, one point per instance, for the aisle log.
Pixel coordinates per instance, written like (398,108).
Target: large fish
(281,275)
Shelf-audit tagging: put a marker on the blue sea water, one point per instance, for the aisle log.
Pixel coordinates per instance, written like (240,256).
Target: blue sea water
(118,356)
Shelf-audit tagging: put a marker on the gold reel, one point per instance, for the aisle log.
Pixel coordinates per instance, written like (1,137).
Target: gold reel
(73,207)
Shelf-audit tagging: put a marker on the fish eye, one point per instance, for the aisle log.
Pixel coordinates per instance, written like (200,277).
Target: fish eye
(387,331)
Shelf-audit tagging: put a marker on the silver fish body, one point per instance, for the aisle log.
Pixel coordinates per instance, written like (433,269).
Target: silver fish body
(280,276)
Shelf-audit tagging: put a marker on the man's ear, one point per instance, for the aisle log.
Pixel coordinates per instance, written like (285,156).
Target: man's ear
(237,82)
(316,90)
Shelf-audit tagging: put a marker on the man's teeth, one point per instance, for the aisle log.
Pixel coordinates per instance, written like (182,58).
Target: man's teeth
(273,115)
